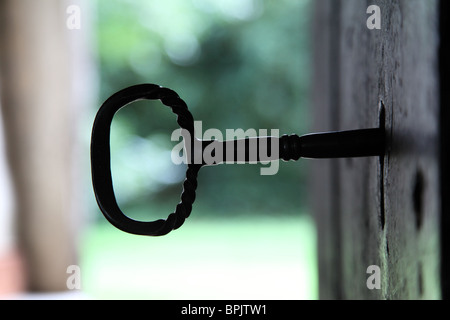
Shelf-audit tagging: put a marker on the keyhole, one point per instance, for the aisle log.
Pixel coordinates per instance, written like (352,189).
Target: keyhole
(382,124)
(418,197)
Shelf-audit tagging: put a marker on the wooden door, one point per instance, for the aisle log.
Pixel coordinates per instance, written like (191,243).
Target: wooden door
(381,221)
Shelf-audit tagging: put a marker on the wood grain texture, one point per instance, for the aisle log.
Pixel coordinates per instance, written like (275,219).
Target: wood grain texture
(384,213)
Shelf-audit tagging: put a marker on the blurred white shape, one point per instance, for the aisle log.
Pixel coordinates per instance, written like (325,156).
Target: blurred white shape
(182,48)
(205,5)
(170,18)
(240,9)
(231,9)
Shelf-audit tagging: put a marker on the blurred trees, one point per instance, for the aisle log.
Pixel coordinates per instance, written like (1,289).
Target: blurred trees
(237,64)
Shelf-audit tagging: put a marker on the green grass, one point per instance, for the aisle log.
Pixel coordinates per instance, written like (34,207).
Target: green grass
(238,258)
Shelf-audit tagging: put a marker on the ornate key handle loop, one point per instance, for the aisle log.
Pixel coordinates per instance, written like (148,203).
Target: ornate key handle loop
(101,161)
(340,144)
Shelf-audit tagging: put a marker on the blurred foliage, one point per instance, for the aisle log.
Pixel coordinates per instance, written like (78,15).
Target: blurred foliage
(237,64)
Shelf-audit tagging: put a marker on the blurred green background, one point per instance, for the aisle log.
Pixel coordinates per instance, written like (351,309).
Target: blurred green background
(237,64)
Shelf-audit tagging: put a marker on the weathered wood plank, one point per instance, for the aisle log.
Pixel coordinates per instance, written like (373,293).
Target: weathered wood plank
(444,69)
(388,212)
